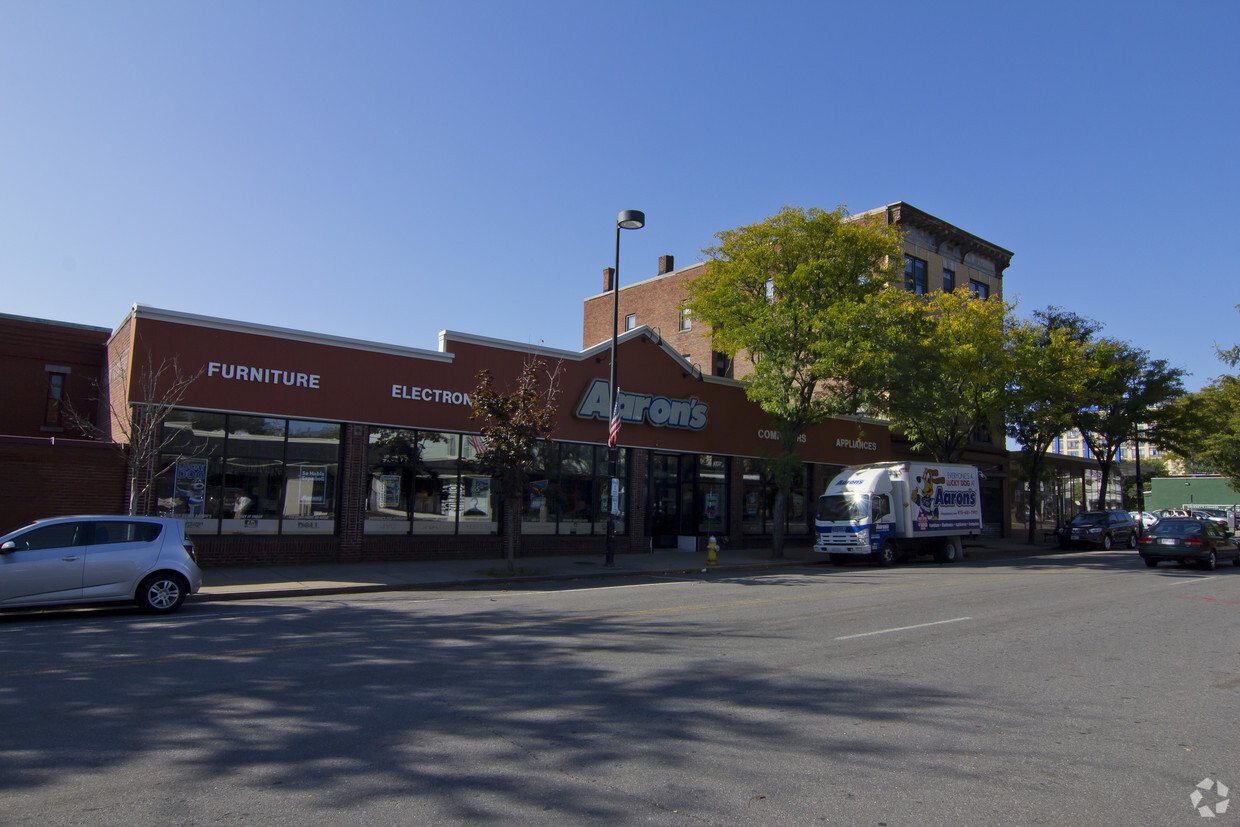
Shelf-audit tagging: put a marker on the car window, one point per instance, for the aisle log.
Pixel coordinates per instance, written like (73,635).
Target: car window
(1087,517)
(1177,528)
(59,535)
(124,531)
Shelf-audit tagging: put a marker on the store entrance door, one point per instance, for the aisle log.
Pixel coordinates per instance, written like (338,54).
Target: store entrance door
(671,499)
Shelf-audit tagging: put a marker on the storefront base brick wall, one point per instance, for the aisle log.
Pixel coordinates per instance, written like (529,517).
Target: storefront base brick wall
(234,551)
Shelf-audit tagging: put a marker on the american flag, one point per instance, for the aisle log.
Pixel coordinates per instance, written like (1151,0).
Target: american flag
(614,431)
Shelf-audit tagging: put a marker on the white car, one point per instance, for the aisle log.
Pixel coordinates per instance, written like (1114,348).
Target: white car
(1145,518)
(99,558)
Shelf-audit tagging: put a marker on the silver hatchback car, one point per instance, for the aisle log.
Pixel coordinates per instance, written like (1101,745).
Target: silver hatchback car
(91,559)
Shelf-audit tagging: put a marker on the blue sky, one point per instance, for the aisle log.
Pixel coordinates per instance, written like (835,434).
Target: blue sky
(386,170)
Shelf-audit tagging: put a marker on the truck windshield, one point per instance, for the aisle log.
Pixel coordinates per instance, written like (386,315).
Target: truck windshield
(838,508)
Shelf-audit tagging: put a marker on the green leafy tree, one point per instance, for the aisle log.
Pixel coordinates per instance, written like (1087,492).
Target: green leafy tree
(1150,469)
(1048,371)
(942,368)
(515,423)
(1125,389)
(1204,428)
(1232,354)
(789,291)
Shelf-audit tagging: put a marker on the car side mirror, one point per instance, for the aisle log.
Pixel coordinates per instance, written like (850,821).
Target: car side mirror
(11,545)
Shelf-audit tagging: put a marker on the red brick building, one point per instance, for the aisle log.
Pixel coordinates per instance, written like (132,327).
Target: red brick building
(292,446)
(937,256)
(49,468)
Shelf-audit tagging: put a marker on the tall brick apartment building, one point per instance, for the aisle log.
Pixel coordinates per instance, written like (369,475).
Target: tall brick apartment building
(937,256)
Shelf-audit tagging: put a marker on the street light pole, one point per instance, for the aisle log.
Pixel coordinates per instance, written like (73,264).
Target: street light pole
(627,220)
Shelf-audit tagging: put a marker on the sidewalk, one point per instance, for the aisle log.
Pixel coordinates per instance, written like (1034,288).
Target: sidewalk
(328,578)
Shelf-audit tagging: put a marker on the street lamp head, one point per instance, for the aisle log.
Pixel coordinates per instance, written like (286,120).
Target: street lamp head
(631,220)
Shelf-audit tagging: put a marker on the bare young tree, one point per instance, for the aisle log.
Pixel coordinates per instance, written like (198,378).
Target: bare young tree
(136,428)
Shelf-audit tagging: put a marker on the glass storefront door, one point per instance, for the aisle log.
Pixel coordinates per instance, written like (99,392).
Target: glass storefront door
(688,497)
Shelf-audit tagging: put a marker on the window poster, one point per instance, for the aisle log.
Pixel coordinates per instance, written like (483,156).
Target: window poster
(316,475)
(191,485)
(389,491)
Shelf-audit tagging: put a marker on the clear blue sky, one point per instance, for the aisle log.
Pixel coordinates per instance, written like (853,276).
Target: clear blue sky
(386,170)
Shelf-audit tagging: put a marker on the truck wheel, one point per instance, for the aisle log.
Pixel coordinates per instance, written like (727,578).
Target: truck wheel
(949,552)
(887,554)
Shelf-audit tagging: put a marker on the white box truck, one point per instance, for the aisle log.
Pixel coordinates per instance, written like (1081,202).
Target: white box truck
(888,511)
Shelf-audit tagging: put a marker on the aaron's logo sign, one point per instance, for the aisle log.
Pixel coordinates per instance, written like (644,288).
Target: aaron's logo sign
(636,408)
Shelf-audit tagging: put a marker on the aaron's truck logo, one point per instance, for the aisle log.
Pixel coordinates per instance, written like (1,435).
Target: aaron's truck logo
(636,408)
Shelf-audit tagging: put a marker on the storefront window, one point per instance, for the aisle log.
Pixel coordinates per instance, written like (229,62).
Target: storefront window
(249,475)
(253,476)
(755,498)
(542,499)
(577,488)
(478,511)
(312,463)
(191,470)
(712,494)
(391,459)
(438,495)
(759,500)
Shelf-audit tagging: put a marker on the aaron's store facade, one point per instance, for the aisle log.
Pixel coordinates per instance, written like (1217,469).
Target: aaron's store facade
(290,446)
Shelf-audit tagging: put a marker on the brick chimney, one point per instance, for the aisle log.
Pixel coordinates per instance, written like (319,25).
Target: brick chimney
(609,278)
(667,264)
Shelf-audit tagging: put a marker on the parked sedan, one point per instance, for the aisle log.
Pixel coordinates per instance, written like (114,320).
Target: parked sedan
(1213,516)
(90,559)
(1099,528)
(1189,541)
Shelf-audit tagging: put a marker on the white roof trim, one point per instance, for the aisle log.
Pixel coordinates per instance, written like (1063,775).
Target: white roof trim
(142,311)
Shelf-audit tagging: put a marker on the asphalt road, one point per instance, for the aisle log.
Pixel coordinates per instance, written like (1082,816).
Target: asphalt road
(1081,690)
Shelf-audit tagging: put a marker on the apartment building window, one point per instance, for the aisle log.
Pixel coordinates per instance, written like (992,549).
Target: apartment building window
(949,280)
(915,275)
(686,316)
(55,394)
(630,321)
(979,288)
(770,290)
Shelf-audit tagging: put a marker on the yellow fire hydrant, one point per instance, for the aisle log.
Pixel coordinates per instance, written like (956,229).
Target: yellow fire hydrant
(711,548)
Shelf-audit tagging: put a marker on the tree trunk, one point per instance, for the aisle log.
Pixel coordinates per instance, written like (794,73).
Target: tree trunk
(1103,484)
(1033,502)
(780,519)
(512,530)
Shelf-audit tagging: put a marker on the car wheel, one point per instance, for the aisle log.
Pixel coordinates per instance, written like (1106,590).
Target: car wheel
(1236,562)
(1132,540)
(887,554)
(161,593)
(1106,542)
(1151,564)
(1211,562)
